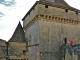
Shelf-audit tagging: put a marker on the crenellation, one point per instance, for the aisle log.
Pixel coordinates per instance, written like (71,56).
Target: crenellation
(54,19)
(65,21)
(58,19)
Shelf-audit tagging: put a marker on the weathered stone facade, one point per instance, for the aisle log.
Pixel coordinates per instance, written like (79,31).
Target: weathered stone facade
(46,26)
(2,49)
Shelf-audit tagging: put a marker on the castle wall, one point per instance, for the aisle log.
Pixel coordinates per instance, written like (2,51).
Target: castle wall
(46,29)
(51,11)
(17,50)
(3,59)
(52,35)
(58,12)
(31,16)
(32,36)
(71,32)
(50,40)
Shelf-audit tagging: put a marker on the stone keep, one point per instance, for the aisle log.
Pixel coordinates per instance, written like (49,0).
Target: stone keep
(46,26)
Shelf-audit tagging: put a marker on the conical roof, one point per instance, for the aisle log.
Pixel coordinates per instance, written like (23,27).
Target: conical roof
(18,35)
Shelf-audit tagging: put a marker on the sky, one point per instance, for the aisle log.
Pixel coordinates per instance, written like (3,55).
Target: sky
(12,11)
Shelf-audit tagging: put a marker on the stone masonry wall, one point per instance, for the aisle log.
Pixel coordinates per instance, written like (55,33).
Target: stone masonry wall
(51,11)
(50,31)
(58,12)
(32,36)
(17,50)
(3,59)
(52,35)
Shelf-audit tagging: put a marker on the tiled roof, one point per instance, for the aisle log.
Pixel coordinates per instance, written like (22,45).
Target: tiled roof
(18,35)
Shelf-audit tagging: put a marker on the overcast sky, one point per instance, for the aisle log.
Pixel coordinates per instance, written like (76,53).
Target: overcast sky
(12,11)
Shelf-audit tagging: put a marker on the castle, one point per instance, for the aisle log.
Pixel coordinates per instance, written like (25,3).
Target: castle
(48,27)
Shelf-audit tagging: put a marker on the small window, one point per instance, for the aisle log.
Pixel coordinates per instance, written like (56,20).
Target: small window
(46,6)
(66,10)
(24,59)
(65,40)
(29,13)
(77,13)
(24,52)
(33,8)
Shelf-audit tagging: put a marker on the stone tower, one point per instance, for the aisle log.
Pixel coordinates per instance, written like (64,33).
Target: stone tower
(16,46)
(47,24)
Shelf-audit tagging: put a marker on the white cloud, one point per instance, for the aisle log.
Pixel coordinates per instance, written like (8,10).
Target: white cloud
(4,9)
(8,0)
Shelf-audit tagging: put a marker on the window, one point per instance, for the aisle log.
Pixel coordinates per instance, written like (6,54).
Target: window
(77,13)
(24,52)
(29,13)
(65,40)
(66,10)
(46,6)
